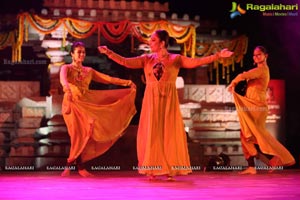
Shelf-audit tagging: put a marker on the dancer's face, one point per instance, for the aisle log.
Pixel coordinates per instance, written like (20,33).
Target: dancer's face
(79,54)
(259,57)
(155,43)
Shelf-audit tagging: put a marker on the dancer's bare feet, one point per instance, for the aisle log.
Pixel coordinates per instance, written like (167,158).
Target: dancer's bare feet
(85,173)
(152,178)
(273,163)
(66,172)
(170,178)
(249,170)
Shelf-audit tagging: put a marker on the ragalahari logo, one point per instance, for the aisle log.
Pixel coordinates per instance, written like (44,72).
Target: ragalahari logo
(236,10)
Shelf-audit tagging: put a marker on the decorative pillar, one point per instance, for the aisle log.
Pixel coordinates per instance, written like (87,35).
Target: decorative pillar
(56,55)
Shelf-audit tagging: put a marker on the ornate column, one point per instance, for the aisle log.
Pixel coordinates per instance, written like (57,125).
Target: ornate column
(55,50)
(56,56)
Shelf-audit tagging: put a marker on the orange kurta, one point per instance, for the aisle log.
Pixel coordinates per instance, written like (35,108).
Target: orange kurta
(161,140)
(96,119)
(252,111)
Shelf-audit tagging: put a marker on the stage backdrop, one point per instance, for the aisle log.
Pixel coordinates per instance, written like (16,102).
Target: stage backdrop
(276,103)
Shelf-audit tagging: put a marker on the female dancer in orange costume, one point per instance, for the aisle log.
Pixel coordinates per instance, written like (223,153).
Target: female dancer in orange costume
(161,140)
(95,119)
(252,111)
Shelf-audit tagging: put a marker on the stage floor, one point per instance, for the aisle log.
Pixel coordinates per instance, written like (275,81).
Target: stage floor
(281,184)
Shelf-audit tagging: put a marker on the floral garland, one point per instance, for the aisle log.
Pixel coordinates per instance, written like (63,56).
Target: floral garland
(79,28)
(115,32)
(238,46)
(42,25)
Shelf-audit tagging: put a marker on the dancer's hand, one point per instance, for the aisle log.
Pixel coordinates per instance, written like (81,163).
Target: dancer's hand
(103,49)
(68,92)
(69,96)
(225,53)
(230,87)
(132,85)
(250,139)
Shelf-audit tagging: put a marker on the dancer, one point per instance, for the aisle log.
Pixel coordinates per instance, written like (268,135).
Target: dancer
(95,119)
(161,140)
(252,111)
